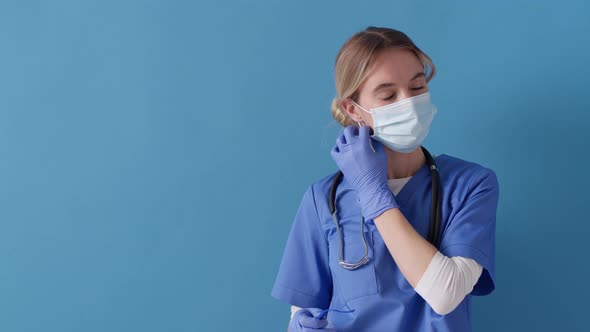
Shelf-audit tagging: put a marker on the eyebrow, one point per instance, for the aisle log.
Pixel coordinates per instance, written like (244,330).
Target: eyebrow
(389,84)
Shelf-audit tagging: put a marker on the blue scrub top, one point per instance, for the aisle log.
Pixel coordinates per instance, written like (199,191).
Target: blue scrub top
(310,276)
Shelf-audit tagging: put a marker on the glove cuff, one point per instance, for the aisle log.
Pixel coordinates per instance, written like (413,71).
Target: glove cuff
(377,202)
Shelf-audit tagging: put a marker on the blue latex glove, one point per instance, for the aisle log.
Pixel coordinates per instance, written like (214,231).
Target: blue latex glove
(363,162)
(310,320)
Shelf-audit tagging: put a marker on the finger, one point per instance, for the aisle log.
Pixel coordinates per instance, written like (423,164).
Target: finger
(335,151)
(312,322)
(377,146)
(364,133)
(341,139)
(302,312)
(350,132)
(305,318)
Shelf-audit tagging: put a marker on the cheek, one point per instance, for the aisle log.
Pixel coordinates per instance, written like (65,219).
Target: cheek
(367,119)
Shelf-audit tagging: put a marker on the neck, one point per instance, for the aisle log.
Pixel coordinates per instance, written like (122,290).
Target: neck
(401,165)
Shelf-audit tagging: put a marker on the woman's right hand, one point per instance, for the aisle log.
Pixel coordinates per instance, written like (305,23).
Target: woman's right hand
(365,168)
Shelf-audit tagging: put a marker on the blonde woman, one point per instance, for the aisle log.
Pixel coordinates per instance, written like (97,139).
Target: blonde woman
(396,239)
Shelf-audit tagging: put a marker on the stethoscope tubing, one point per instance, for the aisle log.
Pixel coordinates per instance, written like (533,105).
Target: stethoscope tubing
(435,212)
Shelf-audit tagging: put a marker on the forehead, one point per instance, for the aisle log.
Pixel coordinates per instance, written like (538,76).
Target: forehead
(393,65)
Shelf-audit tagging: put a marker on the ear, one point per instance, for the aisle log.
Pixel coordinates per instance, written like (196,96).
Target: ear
(350,108)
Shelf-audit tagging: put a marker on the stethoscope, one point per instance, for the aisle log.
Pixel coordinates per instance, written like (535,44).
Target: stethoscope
(435,211)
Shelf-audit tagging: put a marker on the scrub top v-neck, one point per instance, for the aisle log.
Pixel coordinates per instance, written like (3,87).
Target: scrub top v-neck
(405,194)
(310,276)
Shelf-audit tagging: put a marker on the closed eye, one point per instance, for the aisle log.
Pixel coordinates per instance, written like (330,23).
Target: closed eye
(393,95)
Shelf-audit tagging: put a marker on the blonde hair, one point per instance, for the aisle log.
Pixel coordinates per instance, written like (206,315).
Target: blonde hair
(356,57)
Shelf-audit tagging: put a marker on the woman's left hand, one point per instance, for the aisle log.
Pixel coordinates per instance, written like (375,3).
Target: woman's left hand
(308,319)
(365,169)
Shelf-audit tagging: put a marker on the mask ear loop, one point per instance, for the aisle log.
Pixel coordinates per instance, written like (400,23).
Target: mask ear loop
(360,125)
(370,144)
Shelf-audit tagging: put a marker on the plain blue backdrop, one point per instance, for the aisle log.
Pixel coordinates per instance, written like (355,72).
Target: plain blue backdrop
(154,153)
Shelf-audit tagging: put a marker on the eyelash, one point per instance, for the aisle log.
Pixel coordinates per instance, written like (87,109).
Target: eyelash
(388,98)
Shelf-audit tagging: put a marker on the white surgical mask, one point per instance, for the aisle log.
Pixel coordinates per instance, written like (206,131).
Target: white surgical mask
(403,125)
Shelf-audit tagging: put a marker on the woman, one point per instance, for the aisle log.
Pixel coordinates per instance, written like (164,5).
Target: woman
(399,281)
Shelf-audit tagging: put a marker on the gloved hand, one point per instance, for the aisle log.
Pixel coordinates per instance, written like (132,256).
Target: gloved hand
(365,169)
(310,320)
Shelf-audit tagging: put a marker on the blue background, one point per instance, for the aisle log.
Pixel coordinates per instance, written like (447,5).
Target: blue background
(153,153)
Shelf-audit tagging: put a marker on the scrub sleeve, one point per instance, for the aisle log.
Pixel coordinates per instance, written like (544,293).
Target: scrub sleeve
(471,230)
(304,277)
